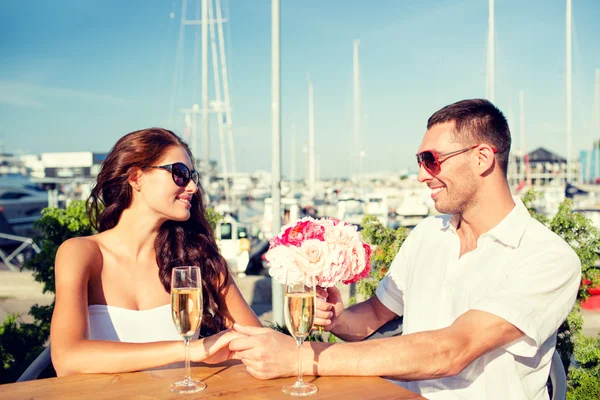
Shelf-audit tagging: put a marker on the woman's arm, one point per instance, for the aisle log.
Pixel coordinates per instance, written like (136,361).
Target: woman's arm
(238,308)
(73,352)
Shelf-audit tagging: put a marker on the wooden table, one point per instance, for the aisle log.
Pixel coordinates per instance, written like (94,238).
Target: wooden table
(228,380)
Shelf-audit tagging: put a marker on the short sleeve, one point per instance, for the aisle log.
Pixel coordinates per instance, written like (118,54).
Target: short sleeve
(391,288)
(536,296)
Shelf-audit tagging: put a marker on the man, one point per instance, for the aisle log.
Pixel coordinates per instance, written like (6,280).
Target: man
(483,288)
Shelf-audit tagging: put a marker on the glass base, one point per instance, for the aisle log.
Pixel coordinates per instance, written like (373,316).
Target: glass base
(188,386)
(300,389)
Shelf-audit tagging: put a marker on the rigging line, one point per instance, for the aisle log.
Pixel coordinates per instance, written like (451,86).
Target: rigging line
(484,62)
(215,60)
(500,67)
(196,56)
(227,99)
(178,60)
(162,67)
(228,44)
(581,87)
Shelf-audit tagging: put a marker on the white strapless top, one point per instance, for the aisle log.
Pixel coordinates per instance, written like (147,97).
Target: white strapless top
(132,326)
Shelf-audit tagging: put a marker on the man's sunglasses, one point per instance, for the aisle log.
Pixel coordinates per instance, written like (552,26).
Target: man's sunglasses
(180,173)
(432,162)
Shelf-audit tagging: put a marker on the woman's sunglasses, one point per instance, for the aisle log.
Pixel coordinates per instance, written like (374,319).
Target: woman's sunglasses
(432,162)
(180,173)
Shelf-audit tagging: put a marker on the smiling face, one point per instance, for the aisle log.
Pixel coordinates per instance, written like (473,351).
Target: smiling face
(453,189)
(160,193)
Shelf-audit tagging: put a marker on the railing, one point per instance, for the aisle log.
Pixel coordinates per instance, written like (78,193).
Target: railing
(25,242)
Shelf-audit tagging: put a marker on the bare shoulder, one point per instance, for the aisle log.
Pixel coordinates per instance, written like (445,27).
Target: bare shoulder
(80,253)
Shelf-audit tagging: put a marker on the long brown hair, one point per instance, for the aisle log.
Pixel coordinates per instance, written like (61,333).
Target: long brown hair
(178,243)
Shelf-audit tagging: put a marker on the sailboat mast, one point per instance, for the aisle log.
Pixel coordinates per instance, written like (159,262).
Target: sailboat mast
(225,86)
(293,164)
(514,181)
(217,82)
(569,93)
(311,140)
(524,156)
(597,119)
(205,133)
(277,288)
(356,86)
(490,87)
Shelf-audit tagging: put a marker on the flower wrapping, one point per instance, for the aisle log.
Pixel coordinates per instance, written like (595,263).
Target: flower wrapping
(331,250)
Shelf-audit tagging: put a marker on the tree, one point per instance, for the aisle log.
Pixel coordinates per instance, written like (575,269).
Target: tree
(579,232)
(21,343)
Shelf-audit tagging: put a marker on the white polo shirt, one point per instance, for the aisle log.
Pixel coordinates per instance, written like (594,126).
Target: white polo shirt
(520,271)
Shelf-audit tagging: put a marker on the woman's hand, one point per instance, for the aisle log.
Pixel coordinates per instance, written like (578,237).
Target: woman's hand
(213,349)
(329,307)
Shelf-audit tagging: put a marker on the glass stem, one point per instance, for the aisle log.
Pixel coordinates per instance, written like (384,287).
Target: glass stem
(299,381)
(188,378)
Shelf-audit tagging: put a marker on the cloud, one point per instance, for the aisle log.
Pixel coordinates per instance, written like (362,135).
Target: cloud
(17,99)
(23,94)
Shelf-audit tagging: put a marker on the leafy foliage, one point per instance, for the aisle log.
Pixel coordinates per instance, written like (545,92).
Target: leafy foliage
(314,336)
(21,343)
(213,216)
(582,236)
(386,243)
(577,230)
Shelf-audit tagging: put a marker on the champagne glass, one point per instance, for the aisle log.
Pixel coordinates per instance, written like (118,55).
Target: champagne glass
(299,309)
(186,307)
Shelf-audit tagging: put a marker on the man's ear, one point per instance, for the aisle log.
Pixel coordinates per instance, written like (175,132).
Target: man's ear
(486,158)
(135,178)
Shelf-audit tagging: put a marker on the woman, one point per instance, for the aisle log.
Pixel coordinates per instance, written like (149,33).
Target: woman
(112,311)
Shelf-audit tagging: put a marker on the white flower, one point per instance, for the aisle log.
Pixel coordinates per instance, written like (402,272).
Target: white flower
(312,255)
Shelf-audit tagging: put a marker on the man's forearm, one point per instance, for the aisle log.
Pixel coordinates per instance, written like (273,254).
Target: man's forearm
(357,322)
(425,355)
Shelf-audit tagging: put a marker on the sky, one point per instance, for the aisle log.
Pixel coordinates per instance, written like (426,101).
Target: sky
(77,75)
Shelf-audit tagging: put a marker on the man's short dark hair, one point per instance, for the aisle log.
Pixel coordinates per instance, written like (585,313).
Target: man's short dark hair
(477,121)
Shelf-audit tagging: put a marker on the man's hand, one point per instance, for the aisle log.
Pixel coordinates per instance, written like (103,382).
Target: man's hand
(329,307)
(213,349)
(266,353)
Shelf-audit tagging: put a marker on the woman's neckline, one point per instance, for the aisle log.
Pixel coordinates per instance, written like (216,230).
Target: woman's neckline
(128,309)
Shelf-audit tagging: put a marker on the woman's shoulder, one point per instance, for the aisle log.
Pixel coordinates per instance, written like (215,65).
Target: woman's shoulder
(83,251)
(81,243)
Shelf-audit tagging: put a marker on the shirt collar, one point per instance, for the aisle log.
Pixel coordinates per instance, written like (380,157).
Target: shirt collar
(508,231)
(449,222)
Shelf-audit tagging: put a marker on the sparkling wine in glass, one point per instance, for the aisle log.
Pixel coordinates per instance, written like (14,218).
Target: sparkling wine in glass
(186,309)
(299,309)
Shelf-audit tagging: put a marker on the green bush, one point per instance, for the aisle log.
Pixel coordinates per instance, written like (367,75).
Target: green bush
(385,243)
(584,373)
(313,336)
(21,343)
(577,230)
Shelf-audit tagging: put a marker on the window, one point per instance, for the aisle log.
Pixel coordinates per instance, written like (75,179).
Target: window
(226,231)
(12,195)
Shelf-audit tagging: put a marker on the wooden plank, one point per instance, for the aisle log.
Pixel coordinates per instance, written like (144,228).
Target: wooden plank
(228,380)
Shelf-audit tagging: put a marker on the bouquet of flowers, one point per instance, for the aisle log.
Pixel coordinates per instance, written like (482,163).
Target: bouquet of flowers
(329,249)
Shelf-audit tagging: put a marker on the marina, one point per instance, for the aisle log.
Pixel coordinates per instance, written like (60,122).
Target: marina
(306,109)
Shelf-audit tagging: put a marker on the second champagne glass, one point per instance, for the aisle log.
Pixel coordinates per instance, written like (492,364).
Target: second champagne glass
(299,309)
(186,308)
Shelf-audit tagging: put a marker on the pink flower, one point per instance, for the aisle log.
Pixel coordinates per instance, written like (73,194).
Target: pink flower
(329,249)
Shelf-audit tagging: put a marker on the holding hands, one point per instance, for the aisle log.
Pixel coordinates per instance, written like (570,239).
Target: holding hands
(266,353)
(214,349)
(270,354)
